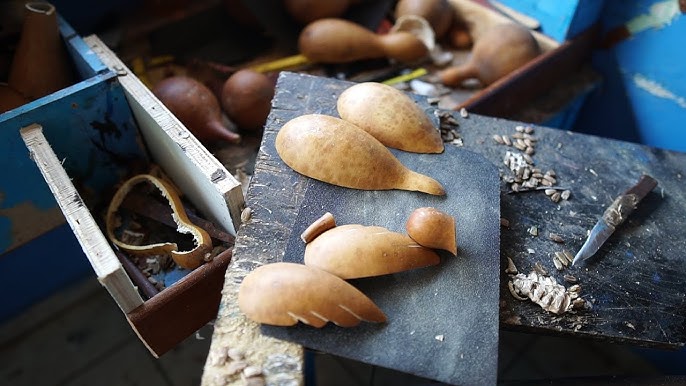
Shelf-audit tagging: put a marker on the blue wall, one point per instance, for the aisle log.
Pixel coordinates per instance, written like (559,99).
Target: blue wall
(643,94)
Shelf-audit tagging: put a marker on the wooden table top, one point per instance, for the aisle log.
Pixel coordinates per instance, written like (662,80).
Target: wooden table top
(633,284)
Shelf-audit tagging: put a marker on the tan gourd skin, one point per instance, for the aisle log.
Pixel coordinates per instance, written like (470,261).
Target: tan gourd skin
(195,106)
(432,228)
(332,150)
(390,116)
(501,50)
(282,294)
(334,40)
(439,13)
(355,251)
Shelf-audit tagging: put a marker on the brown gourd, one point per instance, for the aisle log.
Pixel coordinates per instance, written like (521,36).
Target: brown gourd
(283,294)
(354,251)
(432,228)
(40,64)
(319,226)
(332,150)
(246,98)
(391,116)
(333,40)
(196,107)
(189,259)
(500,50)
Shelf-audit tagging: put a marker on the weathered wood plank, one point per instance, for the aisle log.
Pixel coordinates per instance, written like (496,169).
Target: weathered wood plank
(274,199)
(197,173)
(94,243)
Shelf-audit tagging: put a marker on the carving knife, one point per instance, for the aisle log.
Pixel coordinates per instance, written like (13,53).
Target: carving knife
(615,215)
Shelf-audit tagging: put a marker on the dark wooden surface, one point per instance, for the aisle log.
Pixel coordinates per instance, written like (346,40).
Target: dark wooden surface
(635,282)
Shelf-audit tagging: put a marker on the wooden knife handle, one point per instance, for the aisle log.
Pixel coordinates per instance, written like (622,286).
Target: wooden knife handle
(623,205)
(644,185)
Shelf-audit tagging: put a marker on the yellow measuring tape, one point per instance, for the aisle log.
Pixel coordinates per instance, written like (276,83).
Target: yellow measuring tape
(281,64)
(405,77)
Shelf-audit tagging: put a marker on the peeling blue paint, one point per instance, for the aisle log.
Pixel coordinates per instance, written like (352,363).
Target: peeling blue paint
(660,15)
(643,98)
(657,90)
(560,19)
(95,158)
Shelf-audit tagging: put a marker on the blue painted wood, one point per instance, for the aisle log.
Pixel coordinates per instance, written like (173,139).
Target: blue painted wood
(560,19)
(643,97)
(89,125)
(86,62)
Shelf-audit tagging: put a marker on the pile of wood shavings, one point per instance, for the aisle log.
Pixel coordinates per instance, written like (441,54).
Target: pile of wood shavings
(525,175)
(149,265)
(547,293)
(447,124)
(153,265)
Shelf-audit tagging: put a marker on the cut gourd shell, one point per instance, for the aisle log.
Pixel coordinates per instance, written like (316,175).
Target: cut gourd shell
(417,26)
(432,228)
(354,251)
(186,259)
(283,294)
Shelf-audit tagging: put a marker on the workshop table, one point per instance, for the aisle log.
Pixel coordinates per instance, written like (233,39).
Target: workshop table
(634,284)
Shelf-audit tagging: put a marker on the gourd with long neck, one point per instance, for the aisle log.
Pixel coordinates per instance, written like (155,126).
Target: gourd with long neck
(334,40)
(499,51)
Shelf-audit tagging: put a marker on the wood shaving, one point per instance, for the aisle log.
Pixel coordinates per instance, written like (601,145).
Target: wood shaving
(246,214)
(525,177)
(538,267)
(555,237)
(545,291)
(533,231)
(252,371)
(511,268)
(570,279)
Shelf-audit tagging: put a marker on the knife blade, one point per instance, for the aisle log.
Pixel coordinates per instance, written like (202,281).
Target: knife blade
(614,216)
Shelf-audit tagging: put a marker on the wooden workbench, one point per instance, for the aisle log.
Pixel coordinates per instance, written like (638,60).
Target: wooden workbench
(633,283)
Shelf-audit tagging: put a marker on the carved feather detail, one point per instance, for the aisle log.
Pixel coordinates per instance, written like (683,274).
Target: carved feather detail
(284,294)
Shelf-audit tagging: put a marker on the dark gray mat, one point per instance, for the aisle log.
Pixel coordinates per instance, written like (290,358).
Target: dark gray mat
(442,320)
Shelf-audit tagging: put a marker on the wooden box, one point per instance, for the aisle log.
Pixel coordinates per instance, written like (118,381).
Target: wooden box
(151,135)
